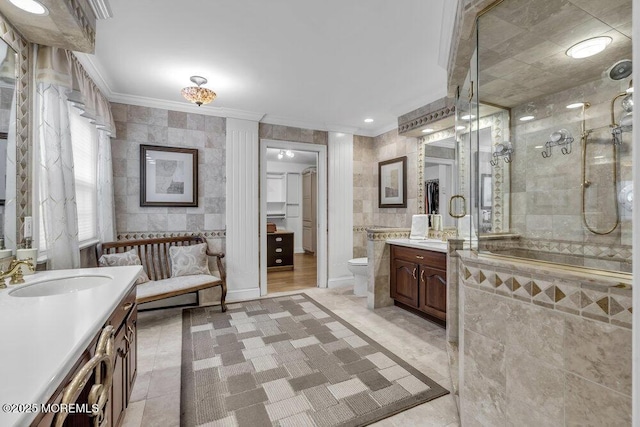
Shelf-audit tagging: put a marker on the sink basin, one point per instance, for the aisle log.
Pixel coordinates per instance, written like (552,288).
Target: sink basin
(62,285)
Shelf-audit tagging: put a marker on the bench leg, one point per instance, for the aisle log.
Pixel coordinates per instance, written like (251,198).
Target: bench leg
(223,297)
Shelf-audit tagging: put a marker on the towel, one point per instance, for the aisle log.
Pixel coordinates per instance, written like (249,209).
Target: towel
(419,227)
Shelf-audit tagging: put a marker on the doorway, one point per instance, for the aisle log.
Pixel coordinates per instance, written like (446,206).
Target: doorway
(292,213)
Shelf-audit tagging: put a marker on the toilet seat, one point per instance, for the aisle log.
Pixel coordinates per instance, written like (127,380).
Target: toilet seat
(359,261)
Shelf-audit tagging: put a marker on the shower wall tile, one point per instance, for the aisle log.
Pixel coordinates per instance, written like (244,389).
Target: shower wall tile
(154,126)
(550,364)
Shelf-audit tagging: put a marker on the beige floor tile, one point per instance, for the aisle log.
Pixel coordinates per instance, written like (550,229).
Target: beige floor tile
(163,382)
(133,416)
(162,411)
(141,386)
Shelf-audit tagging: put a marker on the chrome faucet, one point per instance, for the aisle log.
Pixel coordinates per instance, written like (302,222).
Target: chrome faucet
(15,272)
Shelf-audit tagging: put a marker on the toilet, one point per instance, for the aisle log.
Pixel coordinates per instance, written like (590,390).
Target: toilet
(360,269)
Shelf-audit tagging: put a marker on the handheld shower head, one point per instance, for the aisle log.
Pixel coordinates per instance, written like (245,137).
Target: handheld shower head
(620,70)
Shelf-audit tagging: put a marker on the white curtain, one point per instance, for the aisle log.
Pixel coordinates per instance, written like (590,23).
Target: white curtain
(62,83)
(57,182)
(106,211)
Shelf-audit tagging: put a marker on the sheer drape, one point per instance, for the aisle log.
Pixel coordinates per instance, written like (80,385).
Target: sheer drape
(57,182)
(62,83)
(9,226)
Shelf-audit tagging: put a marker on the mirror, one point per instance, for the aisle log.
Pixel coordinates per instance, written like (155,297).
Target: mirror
(439,176)
(8,147)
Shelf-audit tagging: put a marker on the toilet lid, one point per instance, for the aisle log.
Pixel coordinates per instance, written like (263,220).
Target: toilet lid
(359,261)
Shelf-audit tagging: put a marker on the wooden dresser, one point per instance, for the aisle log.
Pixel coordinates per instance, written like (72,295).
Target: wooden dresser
(280,250)
(419,281)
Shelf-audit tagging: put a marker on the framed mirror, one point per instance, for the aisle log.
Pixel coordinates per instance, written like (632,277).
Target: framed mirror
(439,175)
(8,199)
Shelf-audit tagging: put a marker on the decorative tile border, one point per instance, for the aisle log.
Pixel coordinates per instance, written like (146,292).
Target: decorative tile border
(84,22)
(152,235)
(378,234)
(600,303)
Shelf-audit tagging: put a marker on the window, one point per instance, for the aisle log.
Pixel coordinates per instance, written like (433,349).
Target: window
(84,140)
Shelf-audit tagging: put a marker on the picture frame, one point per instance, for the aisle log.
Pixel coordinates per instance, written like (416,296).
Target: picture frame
(486,191)
(168,176)
(392,183)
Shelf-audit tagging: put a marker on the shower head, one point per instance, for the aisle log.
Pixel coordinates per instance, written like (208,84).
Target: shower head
(620,70)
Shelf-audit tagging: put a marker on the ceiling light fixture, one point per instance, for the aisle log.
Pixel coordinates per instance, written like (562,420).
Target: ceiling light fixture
(428,130)
(197,94)
(31,6)
(526,118)
(575,105)
(368,120)
(589,47)
(290,154)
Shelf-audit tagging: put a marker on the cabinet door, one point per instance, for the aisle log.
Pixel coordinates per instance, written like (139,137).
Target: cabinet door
(433,291)
(119,387)
(132,357)
(404,282)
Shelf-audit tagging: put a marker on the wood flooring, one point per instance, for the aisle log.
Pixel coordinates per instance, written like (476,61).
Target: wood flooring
(303,276)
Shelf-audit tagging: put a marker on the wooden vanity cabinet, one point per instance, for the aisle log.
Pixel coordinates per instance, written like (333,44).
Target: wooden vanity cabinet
(419,281)
(124,321)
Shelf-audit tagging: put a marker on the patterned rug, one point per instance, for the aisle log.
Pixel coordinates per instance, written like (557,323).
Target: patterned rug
(289,361)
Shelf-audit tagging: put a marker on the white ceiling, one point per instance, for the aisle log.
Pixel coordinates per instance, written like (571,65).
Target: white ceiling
(317,64)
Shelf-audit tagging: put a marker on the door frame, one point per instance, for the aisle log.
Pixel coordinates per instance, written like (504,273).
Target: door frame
(321,223)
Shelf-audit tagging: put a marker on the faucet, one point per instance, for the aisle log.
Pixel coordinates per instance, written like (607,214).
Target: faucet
(15,272)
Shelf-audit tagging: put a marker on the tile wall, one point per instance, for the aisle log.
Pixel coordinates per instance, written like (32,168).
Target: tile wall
(539,350)
(367,152)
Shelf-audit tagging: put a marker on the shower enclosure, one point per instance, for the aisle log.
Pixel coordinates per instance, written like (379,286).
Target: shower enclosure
(553,181)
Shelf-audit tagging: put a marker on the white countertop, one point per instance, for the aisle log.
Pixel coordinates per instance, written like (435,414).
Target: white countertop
(42,337)
(429,244)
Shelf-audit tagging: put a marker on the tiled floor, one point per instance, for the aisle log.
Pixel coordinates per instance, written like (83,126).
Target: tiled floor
(156,395)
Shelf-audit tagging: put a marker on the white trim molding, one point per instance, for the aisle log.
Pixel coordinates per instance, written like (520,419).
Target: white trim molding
(243,295)
(242,244)
(321,244)
(341,282)
(340,203)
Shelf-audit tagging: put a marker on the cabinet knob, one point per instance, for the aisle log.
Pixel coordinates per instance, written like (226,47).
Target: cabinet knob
(278,261)
(419,257)
(278,239)
(127,306)
(278,250)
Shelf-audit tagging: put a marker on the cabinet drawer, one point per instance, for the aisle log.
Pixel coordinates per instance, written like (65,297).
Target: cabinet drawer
(421,256)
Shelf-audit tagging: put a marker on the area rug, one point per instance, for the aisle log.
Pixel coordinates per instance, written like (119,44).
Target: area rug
(289,361)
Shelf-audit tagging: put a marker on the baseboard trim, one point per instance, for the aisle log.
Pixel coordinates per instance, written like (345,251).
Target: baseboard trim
(243,294)
(340,282)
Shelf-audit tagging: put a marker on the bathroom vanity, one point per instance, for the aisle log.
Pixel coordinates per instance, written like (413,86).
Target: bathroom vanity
(57,326)
(418,277)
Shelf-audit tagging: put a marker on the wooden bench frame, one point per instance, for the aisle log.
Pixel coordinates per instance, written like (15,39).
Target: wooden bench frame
(154,255)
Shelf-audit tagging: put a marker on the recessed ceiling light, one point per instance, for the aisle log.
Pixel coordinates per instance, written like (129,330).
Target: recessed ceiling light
(460,127)
(598,157)
(368,120)
(538,146)
(526,118)
(31,6)
(427,130)
(589,47)
(468,117)
(575,105)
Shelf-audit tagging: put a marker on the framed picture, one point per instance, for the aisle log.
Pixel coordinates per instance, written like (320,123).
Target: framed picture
(168,176)
(486,202)
(392,183)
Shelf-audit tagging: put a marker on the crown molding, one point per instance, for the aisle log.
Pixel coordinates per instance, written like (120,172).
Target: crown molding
(88,62)
(101,8)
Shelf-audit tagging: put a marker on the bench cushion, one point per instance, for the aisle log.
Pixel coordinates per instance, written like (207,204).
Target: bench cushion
(157,289)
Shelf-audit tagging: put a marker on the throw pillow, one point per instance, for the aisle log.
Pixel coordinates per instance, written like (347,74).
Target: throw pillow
(189,260)
(124,258)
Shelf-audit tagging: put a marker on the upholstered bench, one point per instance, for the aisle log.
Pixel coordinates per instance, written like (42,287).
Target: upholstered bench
(172,266)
